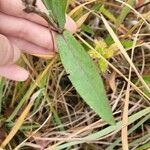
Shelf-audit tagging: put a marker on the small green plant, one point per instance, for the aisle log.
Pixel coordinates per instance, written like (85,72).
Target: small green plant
(107,52)
(81,69)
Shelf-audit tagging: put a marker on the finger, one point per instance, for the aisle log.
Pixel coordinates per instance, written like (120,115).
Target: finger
(70,25)
(30,48)
(27,30)
(14,72)
(8,53)
(17,7)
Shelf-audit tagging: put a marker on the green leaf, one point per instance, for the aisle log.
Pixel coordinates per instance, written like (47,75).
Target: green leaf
(57,8)
(127,43)
(48,4)
(103,65)
(84,75)
(147,80)
(87,29)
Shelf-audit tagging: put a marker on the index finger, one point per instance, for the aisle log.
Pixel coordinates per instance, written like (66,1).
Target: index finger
(15,8)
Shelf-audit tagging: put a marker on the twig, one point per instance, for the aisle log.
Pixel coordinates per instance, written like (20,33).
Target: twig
(142,5)
(31,7)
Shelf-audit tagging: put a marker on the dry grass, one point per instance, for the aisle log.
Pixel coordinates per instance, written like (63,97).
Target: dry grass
(46,112)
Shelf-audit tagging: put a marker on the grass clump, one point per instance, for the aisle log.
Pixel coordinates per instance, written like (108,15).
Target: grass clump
(46,112)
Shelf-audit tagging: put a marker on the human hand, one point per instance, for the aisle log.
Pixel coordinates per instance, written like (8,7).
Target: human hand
(25,32)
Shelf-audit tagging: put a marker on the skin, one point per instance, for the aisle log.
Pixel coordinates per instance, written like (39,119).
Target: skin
(22,32)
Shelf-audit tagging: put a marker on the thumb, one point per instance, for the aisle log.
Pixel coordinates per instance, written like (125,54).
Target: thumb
(8,52)
(8,55)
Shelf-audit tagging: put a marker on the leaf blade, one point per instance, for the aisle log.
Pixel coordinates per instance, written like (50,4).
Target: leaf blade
(84,75)
(59,9)
(124,12)
(48,4)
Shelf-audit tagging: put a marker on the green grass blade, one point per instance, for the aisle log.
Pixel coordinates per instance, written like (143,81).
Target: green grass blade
(140,140)
(144,147)
(2,83)
(124,12)
(105,131)
(107,13)
(30,90)
(129,132)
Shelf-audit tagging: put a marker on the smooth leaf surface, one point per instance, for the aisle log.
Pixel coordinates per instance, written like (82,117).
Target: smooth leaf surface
(59,9)
(48,4)
(84,75)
